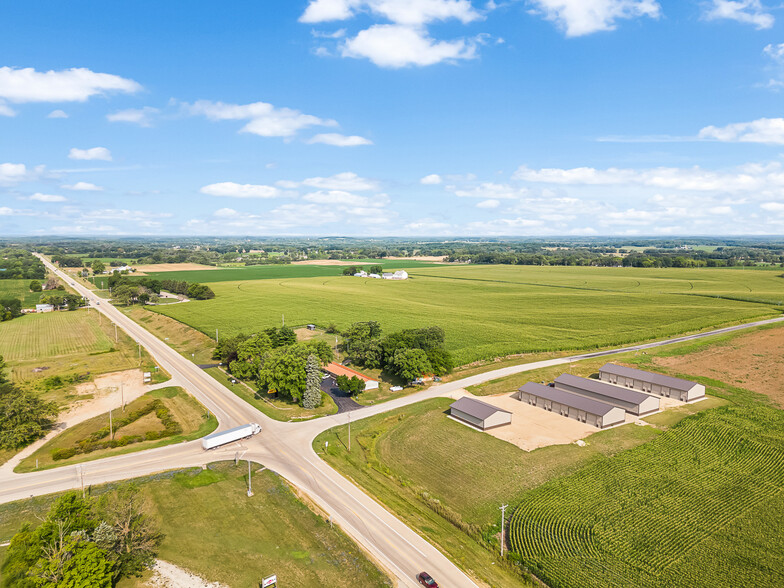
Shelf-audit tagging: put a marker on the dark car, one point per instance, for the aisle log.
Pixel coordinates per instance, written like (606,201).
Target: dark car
(425,579)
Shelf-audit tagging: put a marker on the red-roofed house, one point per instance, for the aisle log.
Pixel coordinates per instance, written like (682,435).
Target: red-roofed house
(336,369)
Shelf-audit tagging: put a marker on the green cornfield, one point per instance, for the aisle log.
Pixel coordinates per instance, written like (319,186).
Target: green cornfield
(700,505)
(491,311)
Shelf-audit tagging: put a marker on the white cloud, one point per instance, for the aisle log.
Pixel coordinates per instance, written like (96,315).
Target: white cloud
(341,197)
(411,12)
(70,85)
(489,190)
(431,180)
(764,130)
(583,17)
(95,153)
(347,181)
(395,46)
(263,119)
(234,190)
(503,226)
(746,11)
(340,140)
(82,187)
(226,212)
(57,114)
(6,110)
(38,197)
(139,116)
(489,204)
(721,210)
(773,206)
(12,172)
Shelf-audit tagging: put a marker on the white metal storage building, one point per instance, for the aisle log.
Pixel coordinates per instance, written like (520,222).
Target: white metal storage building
(585,410)
(631,401)
(479,414)
(683,390)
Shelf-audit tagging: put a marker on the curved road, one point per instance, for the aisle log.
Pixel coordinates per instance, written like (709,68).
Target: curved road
(287,449)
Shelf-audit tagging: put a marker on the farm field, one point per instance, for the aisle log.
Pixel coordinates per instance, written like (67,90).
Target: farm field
(215,531)
(277,271)
(652,516)
(66,343)
(491,311)
(19,289)
(191,416)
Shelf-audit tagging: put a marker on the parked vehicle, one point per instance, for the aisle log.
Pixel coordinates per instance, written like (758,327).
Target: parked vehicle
(425,579)
(231,435)
(395,388)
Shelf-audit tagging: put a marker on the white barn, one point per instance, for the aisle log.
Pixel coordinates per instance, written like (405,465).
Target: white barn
(398,275)
(479,414)
(631,401)
(586,410)
(652,383)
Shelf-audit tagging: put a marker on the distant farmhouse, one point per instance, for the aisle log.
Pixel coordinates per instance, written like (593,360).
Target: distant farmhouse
(398,275)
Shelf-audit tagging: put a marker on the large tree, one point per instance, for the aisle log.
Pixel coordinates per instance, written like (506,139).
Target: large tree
(410,364)
(98,266)
(312,397)
(24,416)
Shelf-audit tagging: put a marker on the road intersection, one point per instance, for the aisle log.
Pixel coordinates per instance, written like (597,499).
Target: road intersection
(285,448)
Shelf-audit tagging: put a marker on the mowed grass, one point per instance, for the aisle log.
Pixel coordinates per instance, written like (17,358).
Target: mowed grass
(214,530)
(65,342)
(186,410)
(20,289)
(282,271)
(654,516)
(492,311)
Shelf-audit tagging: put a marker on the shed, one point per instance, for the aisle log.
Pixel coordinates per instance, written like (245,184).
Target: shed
(479,414)
(683,390)
(44,308)
(631,401)
(586,410)
(336,369)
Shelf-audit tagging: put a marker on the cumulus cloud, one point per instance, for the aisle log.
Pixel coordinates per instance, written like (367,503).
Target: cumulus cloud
(82,187)
(6,110)
(95,153)
(339,140)
(57,114)
(395,46)
(583,17)
(773,206)
(745,11)
(234,190)
(139,116)
(346,181)
(38,197)
(70,85)
(344,198)
(263,119)
(764,130)
(492,203)
(431,180)
(411,12)
(12,172)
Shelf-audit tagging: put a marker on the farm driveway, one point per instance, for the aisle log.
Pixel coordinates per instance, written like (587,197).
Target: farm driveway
(344,401)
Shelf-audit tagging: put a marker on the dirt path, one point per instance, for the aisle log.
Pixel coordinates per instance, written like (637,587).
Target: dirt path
(168,575)
(109,391)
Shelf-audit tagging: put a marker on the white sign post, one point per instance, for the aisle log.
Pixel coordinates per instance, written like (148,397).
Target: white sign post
(271,582)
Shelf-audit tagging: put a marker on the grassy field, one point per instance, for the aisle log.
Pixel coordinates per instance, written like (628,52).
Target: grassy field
(281,271)
(490,311)
(66,342)
(654,516)
(19,289)
(214,530)
(186,410)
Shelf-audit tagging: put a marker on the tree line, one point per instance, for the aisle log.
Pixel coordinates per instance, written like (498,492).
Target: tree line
(132,290)
(19,264)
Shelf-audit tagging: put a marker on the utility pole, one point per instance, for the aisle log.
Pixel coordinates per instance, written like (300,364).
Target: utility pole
(349,432)
(111,428)
(283,319)
(140,352)
(216,335)
(503,516)
(122,397)
(250,491)
(115,332)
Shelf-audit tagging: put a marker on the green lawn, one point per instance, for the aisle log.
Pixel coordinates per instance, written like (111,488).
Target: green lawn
(186,410)
(214,530)
(490,311)
(20,289)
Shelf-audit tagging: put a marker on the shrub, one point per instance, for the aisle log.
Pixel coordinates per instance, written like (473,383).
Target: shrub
(64,453)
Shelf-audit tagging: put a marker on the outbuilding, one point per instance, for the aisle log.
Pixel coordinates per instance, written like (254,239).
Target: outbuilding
(586,410)
(620,375)
(632,401)
(44,308)
(336,369)
(479,414)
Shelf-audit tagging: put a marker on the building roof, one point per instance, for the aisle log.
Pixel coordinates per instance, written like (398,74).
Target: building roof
(476,408)
(337,369)
(597,387)
(568,398)
(653,378)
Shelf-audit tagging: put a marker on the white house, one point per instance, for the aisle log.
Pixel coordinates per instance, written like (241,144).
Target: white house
(361,274)
(398,275)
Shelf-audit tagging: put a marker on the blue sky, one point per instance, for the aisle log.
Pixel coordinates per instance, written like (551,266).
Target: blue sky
(392,117)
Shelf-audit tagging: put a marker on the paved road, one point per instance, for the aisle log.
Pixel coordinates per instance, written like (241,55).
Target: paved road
(287,449)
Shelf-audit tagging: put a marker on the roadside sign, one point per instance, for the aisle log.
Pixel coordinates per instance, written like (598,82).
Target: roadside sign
(271,582)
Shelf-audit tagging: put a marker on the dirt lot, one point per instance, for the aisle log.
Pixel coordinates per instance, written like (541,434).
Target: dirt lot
(754,361)
(171,267)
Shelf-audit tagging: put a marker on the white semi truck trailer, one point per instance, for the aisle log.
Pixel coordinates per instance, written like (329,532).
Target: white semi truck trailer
(230,435)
